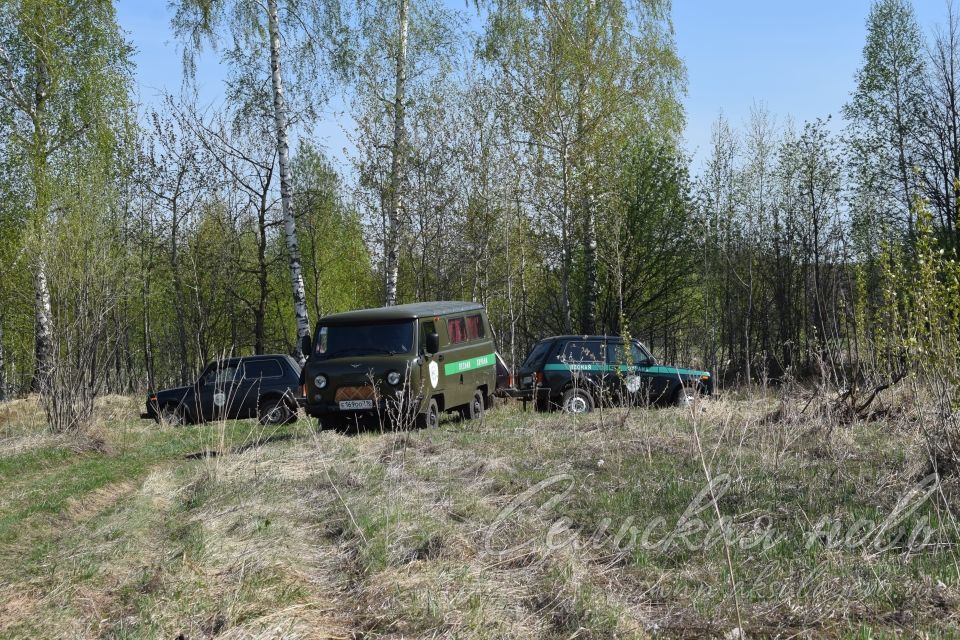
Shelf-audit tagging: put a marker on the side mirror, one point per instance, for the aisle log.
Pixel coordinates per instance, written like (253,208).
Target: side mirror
(433,343)
(306,345)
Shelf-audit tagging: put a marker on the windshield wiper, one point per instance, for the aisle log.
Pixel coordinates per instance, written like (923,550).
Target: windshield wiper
(338,352)
(357,351)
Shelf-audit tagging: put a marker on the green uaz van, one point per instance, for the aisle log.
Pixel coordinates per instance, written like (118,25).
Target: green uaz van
(400,365)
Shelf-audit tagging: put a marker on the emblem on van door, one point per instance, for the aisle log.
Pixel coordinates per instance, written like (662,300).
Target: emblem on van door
(434,373)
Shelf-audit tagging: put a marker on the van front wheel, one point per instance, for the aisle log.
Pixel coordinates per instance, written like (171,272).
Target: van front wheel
(577,401)
(430,418)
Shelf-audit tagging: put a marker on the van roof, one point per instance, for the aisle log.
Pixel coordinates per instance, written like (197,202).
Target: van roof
(403,312)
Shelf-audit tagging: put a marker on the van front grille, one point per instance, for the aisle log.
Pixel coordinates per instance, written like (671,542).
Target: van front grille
(362,392)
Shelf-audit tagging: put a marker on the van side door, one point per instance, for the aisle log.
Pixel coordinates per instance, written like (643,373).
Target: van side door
(431,368)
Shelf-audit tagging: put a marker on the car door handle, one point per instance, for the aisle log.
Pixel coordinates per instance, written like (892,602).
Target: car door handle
(440,357)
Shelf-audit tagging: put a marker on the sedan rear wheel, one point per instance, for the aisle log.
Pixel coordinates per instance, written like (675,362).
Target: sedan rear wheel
(172,415)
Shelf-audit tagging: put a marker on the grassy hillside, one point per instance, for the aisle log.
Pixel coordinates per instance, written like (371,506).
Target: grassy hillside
(521,526)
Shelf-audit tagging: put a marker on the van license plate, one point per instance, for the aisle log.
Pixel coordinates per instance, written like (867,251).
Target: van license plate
(347,405)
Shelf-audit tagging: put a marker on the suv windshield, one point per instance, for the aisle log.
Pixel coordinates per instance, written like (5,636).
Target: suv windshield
(337,340)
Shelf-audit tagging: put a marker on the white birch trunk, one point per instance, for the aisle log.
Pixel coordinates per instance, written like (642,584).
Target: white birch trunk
(392,248)
(590,261)
(3,366)
(286,186)
(43,320)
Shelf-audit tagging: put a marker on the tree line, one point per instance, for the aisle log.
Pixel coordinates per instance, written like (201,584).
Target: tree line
(534,163)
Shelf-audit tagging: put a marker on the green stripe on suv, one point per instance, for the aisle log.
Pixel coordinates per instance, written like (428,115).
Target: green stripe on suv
(657,370)
(453,368)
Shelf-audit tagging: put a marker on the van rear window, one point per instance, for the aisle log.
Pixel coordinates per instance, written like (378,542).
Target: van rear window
(474,327)
(457,330)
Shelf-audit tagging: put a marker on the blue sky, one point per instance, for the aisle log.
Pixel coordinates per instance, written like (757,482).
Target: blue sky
(796,58)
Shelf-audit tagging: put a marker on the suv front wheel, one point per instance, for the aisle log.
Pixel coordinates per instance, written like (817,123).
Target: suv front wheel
(685,395)
(577,401)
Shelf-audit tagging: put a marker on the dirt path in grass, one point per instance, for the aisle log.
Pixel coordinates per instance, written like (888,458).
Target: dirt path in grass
(429,535)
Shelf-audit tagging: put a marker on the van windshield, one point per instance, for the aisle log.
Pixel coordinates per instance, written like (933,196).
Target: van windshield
(336,340)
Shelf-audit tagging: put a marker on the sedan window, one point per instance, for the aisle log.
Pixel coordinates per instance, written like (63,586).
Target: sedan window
(262,369)
(220,375)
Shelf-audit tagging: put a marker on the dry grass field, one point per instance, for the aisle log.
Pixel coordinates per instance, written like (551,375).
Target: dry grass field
(520,526)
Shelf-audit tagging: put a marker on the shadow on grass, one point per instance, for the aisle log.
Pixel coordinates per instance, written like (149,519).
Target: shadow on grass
(253,444)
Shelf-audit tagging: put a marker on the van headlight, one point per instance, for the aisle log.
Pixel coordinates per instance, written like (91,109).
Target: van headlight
(320,381)
(393,378)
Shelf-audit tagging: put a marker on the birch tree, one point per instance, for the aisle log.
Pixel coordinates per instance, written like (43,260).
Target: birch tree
(403,47)
(940,149)
(260,37)
(63,72)
(885,111)
(583,78)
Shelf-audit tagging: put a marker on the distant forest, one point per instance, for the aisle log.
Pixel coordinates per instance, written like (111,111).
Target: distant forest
(534,164)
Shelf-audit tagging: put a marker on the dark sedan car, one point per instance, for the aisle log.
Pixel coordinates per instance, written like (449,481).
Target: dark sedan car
(574,373)
(266,387)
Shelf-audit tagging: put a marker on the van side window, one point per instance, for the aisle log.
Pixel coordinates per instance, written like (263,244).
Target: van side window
(474,327)
(583,351)
(426,328)
(457,330)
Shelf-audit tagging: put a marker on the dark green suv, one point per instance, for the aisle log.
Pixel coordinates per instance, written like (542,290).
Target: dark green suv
(576,373)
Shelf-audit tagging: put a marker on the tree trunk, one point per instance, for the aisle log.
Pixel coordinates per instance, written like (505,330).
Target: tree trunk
(566,262)
(286,184)
(263,285)
(148,335)
(590,293)
(43,313)
(3,367)
(392,248)
(178,301)
(43,325)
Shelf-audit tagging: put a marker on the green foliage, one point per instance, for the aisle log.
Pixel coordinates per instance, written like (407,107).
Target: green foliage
(919,319)
(315,41)
(649,267)
(885,116)
(336,260)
